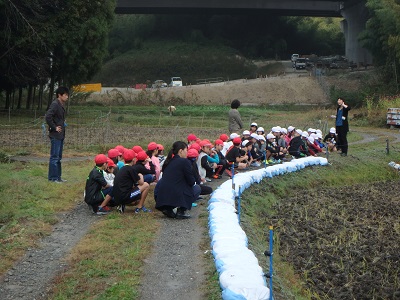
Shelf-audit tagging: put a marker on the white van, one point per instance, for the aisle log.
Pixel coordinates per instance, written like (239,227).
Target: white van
(176,81)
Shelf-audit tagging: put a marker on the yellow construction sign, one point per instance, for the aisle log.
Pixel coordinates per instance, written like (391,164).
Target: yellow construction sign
(88,87)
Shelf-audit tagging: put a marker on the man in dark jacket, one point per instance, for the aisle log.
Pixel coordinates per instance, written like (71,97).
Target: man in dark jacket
(55,119)
(342,125)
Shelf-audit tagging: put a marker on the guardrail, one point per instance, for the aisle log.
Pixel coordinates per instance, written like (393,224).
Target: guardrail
(210,80)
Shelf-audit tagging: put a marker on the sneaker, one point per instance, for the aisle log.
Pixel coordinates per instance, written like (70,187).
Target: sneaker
(208,179)
(62,180)
(169,213)
(102,210)
(255,164)
(194,204)
(121,208)
(182,214)
(143,209)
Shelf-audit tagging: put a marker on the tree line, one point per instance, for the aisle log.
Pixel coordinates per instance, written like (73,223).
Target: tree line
(49,42)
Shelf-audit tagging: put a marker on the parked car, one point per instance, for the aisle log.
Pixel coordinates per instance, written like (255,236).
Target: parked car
(175,81)
(159,84)
(300,63)
(294,57)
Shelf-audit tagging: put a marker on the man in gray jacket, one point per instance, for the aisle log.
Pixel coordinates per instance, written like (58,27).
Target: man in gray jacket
(55,119)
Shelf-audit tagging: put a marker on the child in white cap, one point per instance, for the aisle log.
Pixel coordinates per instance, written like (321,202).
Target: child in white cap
(330,140)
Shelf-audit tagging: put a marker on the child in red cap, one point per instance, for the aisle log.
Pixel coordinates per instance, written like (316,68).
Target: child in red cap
(206,169)
(152,151)
(129,186)
(191,138)
(149,174)
(223,163)
(108,173)
(235,156)
(98,192)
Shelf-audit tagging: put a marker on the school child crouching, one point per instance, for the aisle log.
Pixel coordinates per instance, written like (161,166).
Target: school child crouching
(129,186)
(97,190)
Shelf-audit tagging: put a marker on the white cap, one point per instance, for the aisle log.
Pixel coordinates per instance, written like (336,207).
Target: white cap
(309,130)
(233,135)
(245,142)
(246,132)
(319,136)
(313,135)
(254,124)
(254,135)
(299,131)
(305,134)
(270,136)
(284,130)
(318,131)
(261,129)
(332,130)
(291,128)
(310,139)
(276,129)
(261,137)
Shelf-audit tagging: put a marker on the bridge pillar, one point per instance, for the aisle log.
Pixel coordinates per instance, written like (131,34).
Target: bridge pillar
(355,18)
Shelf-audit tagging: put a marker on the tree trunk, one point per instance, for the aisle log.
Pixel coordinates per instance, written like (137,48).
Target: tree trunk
(29,98)
(8,96)
(40,102)
(19,97)
(13,99)
(34,96)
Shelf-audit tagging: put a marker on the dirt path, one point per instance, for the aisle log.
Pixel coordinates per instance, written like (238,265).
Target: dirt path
(32,275)
(175,268)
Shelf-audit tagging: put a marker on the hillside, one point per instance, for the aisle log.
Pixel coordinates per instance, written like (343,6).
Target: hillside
(285,89)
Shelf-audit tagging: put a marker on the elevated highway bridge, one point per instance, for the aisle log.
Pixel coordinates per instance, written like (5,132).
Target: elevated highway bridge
(354,12)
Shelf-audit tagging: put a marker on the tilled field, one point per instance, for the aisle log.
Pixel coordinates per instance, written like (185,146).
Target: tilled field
(345,242)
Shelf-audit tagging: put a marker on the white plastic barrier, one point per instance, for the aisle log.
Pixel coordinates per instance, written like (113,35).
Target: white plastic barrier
(240,276)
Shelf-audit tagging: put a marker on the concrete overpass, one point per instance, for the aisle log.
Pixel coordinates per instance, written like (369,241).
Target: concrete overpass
(354,12)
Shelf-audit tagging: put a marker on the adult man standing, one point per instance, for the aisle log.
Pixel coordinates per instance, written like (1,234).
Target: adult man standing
(342,125)
(55,119)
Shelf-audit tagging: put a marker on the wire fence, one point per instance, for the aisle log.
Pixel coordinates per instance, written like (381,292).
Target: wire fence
(28,130)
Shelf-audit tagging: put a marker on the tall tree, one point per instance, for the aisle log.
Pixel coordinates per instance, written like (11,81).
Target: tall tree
(382,34)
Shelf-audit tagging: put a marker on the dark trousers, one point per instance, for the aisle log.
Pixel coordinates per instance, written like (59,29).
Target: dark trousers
(342,138)
(55,159)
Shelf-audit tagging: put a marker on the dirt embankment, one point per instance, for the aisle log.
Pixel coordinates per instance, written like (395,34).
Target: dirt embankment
(286,89)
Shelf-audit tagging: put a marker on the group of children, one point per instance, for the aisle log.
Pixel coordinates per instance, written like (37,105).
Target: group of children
(110,183)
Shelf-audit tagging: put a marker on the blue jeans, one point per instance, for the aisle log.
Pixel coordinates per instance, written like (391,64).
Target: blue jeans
(149,178)
(55,159)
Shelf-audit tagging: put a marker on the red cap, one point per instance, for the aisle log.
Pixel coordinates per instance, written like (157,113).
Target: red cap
(192,153)
(137,149)
(205,143)
(113,153)
(160,147)
(191,137)
(142,155)
(219,142)
(129,155)
(237,141)
(120,148)
(110,163)
(152,146)
(195,146)
(223,137)
(100,159)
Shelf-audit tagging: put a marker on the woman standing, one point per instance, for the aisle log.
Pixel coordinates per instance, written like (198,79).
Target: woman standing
(175,188)
(235,122)
(342,125)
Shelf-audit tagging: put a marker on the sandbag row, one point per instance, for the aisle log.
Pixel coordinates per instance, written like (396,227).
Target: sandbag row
(240,276)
